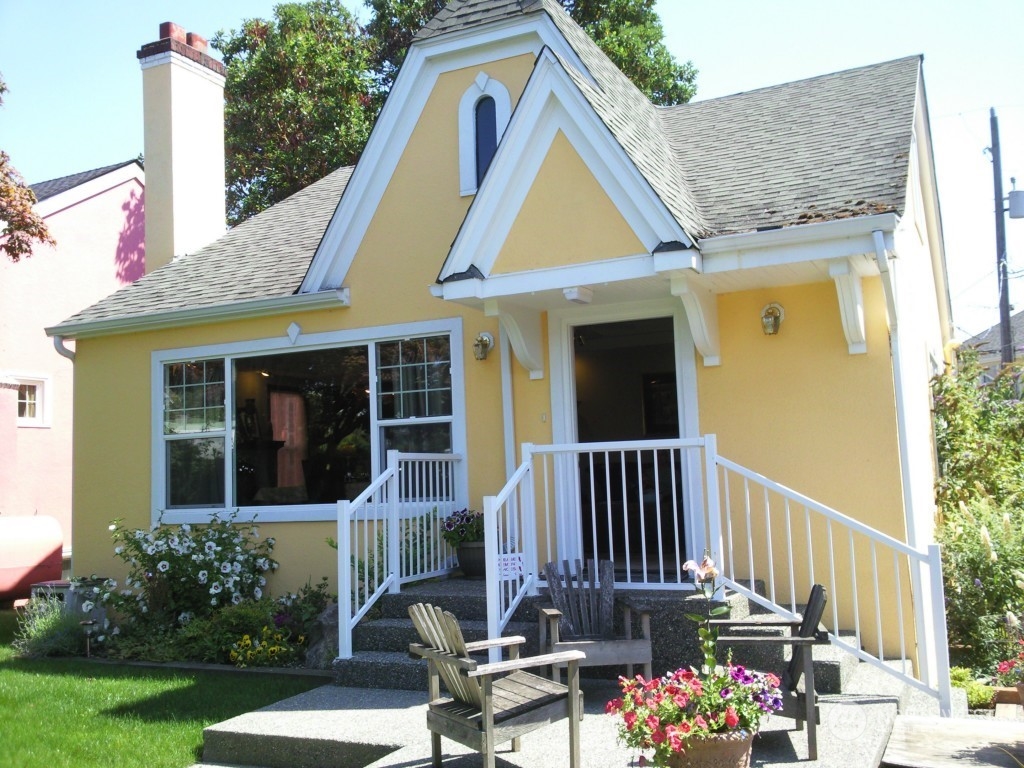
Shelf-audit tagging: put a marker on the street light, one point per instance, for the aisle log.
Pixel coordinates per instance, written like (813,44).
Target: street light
(1016,209)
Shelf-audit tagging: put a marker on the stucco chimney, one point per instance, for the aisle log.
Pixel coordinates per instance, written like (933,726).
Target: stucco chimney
(183,112)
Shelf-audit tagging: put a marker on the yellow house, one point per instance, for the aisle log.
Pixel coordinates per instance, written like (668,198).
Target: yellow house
(623,331)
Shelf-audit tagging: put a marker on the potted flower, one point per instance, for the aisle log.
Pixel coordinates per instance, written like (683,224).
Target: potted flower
(693,717)
(464,532)
(1010,672)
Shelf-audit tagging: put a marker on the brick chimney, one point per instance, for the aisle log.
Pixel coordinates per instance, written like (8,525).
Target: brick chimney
(183,112)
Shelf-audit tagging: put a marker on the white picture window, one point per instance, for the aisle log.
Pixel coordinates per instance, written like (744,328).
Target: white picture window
(294,429)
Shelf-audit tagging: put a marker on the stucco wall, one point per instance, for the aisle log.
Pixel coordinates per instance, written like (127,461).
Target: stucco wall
(99,249)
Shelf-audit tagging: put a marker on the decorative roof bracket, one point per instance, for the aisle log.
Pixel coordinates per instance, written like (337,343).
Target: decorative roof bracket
(523,328)
(851,304)
(701,307)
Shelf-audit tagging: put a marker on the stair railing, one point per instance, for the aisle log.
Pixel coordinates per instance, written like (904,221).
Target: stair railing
(510,547)
(767,532)
(390,534)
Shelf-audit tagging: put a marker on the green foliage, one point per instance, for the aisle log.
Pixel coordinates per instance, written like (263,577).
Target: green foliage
(177,574)
(979,695)
(45,628)
(297,101)
(210,639)
(980,492)
(297,613)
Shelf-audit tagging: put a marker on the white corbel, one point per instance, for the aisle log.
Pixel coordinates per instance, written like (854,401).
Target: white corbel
(522,326)
(851,304)
(701,306)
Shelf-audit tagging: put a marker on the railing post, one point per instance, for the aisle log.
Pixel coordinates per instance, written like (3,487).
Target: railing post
(528,509)
(394,563)
(493,578)
(939,638)
(345,608)
(714,530)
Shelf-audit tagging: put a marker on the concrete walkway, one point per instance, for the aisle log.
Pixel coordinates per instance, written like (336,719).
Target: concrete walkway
(335,727)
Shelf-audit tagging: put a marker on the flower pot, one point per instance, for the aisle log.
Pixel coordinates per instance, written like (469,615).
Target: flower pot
(472,559)
(1020,693)
(718,750)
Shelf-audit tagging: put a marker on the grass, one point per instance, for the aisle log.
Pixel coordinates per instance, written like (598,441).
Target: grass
(72,712)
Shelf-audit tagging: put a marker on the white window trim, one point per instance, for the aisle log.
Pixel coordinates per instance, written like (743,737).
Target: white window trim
(484,85)
(293,512)
(44,397)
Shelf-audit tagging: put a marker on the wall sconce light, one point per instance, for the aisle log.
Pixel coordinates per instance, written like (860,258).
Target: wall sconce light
(771,318)
(483,344)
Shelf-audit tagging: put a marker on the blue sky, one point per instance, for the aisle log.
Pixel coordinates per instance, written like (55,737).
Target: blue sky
(75,97)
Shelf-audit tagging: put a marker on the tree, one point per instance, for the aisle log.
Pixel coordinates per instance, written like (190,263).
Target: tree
(297,101)
(628,31)
(21,225)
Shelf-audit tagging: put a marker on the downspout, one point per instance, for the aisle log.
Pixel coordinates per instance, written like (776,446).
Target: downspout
(58,344)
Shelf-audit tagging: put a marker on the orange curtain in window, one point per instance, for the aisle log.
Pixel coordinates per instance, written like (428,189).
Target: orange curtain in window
(288,421)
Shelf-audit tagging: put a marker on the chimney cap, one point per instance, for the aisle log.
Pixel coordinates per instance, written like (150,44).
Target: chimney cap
(193,46)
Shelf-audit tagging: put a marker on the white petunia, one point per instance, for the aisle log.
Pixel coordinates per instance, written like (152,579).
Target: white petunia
(210,547)
(163,566)
(215,588)
(225,567)
(236,567)
(236,598)
(202,577)
(150,550)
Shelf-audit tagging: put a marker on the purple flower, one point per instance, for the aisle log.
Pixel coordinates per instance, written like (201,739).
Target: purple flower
(725,693)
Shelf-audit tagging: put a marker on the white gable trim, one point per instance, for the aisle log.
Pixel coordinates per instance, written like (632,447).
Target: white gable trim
(484,85)
(552,103)
(426,61)
(92,188)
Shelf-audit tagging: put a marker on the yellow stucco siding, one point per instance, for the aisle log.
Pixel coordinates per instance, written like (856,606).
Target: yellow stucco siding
(801,410)
(567,218)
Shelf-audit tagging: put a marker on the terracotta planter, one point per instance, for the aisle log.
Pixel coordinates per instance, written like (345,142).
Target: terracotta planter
(719,750)
(472,559)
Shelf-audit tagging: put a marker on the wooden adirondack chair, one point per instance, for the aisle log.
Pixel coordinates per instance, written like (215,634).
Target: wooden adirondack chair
(805,633)
(583,619)
(490,704)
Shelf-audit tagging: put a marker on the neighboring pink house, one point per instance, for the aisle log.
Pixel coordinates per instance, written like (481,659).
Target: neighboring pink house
(97,219)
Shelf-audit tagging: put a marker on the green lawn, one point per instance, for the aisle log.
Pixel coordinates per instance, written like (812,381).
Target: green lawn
(71,712)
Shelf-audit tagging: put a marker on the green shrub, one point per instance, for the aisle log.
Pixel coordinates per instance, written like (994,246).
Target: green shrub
(298,612)
(979,695)
(268,648)
(45,628)
(979,428)
(177,574)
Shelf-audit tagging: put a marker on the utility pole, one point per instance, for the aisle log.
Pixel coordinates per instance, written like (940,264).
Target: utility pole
(1005,332)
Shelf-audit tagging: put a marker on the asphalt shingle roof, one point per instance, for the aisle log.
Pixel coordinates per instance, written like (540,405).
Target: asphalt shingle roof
(44,189)
(990,341)
(825,148)
(263,257)
(463,14)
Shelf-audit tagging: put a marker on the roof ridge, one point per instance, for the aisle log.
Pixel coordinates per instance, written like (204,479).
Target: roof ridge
(51,187)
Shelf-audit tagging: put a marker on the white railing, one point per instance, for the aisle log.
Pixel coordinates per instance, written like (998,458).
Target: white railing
(636,503)
(390,534)
(878,587)
(511,550)
(651,505)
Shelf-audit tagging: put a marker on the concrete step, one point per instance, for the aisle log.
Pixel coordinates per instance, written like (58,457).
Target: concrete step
(396,634)
(340,727)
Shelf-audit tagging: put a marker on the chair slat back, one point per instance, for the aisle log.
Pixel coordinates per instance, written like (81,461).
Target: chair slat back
(808,628)
(587,605)
(440,631)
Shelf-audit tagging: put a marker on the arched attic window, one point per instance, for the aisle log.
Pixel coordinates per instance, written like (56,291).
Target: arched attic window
(484,112)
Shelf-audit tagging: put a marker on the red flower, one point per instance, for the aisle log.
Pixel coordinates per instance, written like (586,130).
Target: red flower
(613,706)
(731,718)
(629,718)
(653,722)
(658,736)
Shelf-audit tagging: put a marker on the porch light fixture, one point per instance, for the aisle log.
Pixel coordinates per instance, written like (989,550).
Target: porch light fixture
(482,345)
(771,318)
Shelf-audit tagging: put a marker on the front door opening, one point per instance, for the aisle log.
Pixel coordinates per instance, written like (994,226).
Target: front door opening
(631,500)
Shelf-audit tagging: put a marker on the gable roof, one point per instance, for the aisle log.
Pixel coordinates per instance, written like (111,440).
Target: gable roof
(989,341)
(820,149)
(463,14)
(263,257)
(46,189)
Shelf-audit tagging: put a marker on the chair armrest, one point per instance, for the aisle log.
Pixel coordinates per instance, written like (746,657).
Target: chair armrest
(416,650)
(497,642)
(549,613)
(543,660)
(641,608)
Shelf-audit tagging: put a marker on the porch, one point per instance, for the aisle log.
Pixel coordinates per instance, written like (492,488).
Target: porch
(649,506)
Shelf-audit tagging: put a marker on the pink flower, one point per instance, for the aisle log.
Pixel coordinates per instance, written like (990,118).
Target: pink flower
(658,736)
(653,722)
(700,722)
(629,718)
(613,706)
(681,700)
(703,572)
